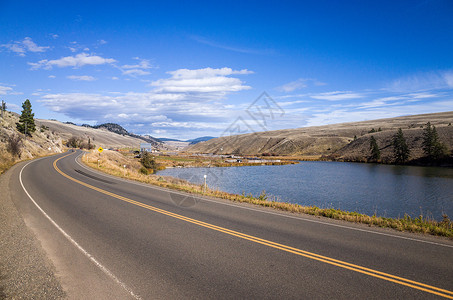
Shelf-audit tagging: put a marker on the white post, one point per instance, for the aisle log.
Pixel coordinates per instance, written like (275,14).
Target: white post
(205,185)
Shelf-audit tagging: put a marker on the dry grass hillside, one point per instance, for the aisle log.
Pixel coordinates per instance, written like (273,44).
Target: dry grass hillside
(50,137)
(100,137)
(330,139)
(43,142)
(359,150)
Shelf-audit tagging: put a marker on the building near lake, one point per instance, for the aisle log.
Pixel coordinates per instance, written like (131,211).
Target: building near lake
(146,147)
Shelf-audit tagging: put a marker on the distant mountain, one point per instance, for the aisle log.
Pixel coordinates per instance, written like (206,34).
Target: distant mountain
(118,129)
(113,128)
(169,140)
(191,141)
(200,139)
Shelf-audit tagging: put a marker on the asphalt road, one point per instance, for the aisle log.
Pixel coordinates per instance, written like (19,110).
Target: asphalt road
(113,239)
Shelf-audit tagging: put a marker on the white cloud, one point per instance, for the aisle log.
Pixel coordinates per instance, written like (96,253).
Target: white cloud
(206,72)
(102,42)
(137,69)
(22,47)
(81,78)
(137,72)
(422,82)
(143,64)
(52,76)
(298,84)
(4,90)
(32,47)
(401,109)
(207,80)
(114,78)
(337,96)
(77,61)
(188,99)
(448,77)
(293,85)
(205,41)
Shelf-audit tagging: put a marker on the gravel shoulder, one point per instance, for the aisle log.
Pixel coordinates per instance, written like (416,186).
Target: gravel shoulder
(25,270)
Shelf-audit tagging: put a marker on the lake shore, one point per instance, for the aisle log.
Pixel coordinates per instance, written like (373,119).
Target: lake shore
(113,163)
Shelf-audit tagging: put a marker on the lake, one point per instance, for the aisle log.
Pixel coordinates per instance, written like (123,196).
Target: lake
(384,190)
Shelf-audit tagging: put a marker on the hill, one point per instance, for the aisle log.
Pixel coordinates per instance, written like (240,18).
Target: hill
(42,142)
(106,135)
(51,137)
(336,140)
(120,130)
(200,139)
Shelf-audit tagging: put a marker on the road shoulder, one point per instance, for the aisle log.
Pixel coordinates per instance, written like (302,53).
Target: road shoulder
(25,270)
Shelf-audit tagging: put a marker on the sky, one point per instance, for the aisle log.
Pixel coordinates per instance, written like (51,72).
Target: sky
(213,68)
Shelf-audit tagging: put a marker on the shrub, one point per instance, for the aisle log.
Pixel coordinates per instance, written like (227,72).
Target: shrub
(144,171)
(14,145)
(148,161)
(73,142)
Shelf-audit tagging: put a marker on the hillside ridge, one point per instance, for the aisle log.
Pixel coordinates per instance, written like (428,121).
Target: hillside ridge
(344,141)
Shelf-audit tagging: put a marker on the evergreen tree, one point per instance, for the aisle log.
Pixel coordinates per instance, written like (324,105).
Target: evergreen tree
(148,161)
(428,140)
(3,107)
(400,149)
(26,122)
(432,147)
(375,152)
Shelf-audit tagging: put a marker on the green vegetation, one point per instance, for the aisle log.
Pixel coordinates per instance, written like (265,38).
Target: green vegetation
(432,147)
(375,152)
(112,163)
(148,162)
(400,149)
(3,108)
(26,124)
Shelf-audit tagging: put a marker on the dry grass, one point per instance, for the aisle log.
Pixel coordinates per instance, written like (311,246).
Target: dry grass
(31,147)
(328,139)
(113,163)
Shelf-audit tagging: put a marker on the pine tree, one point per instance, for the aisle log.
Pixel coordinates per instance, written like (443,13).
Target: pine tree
(400,149)
(428,141)
(3,108)
(26,124)
(375,152)
(432,147)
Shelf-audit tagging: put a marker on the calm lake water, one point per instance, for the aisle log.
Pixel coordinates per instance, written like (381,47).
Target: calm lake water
(389,191)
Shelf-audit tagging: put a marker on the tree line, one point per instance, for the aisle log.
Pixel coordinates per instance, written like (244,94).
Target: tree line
(433,148)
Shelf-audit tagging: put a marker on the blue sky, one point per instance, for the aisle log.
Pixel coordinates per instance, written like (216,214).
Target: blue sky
(189,69)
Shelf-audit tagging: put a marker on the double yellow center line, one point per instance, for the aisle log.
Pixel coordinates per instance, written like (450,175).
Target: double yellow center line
(342,264)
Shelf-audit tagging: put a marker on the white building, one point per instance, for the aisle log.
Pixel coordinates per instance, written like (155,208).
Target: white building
(146,147)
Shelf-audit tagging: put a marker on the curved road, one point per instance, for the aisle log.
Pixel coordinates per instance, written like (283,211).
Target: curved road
(112,238)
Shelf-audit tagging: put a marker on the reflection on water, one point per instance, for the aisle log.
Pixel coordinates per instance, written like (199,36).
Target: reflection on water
(385,190)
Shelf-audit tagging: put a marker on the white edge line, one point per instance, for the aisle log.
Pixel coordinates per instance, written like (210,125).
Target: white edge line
(90,257)
(258,210)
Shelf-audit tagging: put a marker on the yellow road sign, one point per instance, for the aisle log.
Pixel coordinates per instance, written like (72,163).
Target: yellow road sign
(100,149)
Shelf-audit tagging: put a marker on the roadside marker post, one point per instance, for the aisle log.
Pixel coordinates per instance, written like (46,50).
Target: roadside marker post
(205,185)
